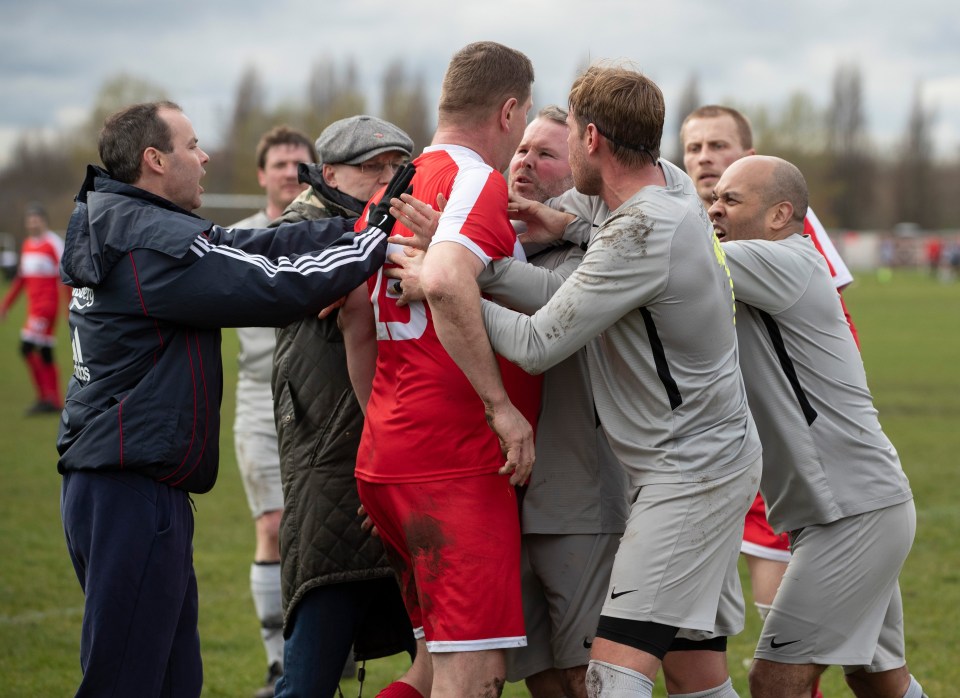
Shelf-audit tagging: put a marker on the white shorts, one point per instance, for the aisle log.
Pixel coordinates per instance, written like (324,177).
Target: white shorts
(677,562)
(258,459)
(839,601)
(564,579)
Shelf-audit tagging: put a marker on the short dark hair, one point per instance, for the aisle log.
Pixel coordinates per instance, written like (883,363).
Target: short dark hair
(482,76)
(282,135)
(712,111)
(627,109)
(130,131)
(35,208)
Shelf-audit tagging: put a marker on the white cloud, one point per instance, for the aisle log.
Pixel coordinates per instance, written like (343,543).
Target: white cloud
(753,53)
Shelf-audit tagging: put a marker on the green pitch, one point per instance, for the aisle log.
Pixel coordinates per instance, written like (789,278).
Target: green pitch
(910,333)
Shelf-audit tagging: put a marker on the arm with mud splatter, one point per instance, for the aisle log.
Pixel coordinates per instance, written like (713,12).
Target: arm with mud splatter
(622,270)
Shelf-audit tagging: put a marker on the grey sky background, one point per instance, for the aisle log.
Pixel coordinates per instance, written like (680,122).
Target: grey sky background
(55,54)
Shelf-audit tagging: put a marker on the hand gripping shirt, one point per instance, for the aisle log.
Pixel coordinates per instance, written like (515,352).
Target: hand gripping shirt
(653,288)
(825,455)
(424,420)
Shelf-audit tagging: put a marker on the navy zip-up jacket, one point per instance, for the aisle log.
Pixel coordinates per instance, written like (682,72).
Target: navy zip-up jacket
(153,285)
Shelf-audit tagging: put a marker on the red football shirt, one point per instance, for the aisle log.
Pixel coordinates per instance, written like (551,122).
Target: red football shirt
(424,420)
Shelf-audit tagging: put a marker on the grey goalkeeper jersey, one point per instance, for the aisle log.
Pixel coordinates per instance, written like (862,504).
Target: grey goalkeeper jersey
(825,456)
(653,289)
(577,485)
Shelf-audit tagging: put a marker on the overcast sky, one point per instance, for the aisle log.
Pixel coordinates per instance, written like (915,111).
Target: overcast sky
(55,54)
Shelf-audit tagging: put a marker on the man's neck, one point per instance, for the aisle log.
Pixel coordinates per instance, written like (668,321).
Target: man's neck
(273,210)
(621,184)
(476,139)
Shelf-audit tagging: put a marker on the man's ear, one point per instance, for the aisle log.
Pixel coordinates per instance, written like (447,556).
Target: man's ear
(780,215)
(153,160)
(592,139)
(261,178)
(329,174)
(509,113)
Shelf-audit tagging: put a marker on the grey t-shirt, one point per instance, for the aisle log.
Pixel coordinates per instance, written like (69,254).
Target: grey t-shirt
(654,291)
(825,456)
(577,485)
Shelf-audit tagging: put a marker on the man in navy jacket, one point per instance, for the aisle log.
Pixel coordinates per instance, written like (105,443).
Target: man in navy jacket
(153,284)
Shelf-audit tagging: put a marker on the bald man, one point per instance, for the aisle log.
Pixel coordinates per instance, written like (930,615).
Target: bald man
(831,477)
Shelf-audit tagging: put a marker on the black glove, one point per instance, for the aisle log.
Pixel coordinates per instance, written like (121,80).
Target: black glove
(379,216)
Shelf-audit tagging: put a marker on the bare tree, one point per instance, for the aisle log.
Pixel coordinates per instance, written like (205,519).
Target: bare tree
(688,101)
(232,167)
(851,172)
(405,104)
(50,168)
(332,93)
(915,169)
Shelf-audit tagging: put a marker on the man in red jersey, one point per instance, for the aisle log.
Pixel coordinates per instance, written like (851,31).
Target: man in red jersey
(39,275)
(431,469)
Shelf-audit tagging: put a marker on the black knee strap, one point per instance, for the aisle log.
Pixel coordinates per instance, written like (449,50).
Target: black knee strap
(652,638)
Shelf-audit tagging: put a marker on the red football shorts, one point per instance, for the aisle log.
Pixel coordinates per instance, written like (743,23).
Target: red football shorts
(759,539)
(455,545)
(39,329)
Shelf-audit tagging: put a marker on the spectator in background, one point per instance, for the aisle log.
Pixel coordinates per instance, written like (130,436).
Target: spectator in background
(278,154)
(338,586)
(38,274)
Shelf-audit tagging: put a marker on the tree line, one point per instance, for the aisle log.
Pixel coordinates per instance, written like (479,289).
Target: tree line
(853,184)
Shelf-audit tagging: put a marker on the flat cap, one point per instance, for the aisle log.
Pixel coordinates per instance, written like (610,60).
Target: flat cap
(356,139)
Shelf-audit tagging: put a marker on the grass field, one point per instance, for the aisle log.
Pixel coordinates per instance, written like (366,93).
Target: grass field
(910,332)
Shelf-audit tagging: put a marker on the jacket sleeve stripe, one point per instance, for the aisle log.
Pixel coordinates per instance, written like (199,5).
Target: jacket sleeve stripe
(322,261)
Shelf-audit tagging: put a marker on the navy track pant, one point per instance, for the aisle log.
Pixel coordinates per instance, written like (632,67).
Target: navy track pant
(131,542)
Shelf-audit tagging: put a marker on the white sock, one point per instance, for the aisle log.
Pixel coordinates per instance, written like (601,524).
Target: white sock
(606,680)
(724,690)
(915,690)
(265,589)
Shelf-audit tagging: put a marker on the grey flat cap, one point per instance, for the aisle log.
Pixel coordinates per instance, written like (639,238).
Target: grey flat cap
(356,139)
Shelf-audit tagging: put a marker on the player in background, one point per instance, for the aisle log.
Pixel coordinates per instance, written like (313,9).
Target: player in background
(38,275)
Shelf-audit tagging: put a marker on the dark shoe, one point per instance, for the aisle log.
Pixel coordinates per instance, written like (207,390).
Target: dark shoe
(42,407)
(274,672)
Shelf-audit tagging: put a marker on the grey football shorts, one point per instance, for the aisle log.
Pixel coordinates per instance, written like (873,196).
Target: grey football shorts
(564,580)
(677,561)
(258,459)
(839,601)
